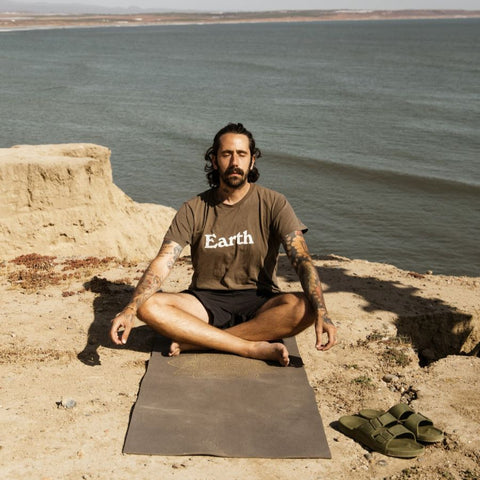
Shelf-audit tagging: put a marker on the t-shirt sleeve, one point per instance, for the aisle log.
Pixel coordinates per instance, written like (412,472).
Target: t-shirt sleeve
(284,219)
(182,226)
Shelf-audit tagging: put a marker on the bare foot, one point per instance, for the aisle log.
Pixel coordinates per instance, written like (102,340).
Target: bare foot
(260,350)
(270,351)
(176,348)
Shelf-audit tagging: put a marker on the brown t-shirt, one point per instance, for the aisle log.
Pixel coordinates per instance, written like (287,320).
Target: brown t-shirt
(235,247)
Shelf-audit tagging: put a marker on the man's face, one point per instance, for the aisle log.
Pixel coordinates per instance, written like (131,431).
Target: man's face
(233,160)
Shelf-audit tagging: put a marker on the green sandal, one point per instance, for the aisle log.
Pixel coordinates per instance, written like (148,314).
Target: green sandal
(421,426)
(382,434)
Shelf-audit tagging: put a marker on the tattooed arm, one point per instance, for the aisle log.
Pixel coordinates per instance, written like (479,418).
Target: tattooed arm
(150,282)
(297,251)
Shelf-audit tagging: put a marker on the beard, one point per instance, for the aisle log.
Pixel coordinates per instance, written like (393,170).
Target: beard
(236,181)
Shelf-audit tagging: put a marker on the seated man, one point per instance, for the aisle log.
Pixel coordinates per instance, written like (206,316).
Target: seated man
(234,230)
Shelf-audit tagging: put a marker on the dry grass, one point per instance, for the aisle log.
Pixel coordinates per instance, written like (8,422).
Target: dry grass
(33,272)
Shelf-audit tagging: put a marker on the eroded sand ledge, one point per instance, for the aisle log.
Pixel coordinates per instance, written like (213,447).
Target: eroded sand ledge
(59,201)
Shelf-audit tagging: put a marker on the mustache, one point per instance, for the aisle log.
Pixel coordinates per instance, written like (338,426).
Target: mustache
(236,170)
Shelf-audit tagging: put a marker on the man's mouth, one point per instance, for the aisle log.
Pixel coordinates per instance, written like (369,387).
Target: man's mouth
(235,171)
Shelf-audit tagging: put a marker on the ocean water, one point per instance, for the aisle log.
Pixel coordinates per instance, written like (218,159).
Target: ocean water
(371,129)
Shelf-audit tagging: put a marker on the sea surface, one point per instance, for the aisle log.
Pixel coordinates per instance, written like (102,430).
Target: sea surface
(371,129)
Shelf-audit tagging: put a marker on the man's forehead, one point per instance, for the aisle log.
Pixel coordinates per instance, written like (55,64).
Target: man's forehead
(239,140)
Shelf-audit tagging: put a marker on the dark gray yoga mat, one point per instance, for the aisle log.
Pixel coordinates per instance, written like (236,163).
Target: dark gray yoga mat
(224,405)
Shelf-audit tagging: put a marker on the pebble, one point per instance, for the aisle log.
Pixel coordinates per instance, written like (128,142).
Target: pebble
(68,403)
(389,378)
(382,463)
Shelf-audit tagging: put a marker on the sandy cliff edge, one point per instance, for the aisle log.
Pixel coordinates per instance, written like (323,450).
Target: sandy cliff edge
(404,336)
(61,200)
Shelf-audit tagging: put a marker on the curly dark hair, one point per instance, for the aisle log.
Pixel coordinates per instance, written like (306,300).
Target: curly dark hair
(213,176)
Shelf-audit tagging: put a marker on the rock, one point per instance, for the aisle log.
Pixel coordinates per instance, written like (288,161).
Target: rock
(68,403)
(61,198)
(389,378)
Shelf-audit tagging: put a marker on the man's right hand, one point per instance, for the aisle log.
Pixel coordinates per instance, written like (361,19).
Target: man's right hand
(121,326)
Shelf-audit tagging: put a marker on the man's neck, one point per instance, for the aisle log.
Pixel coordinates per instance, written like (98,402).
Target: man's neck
(231,196)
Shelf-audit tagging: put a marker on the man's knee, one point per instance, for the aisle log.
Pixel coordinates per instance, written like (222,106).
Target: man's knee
(161,306)
(296,301)
(150,308)
(297,307)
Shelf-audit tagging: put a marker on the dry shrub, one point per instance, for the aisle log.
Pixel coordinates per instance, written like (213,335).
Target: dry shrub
(36,271)
(89,262)
(35,261)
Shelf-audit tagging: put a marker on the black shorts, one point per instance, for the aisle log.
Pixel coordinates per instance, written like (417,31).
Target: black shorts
(227,308)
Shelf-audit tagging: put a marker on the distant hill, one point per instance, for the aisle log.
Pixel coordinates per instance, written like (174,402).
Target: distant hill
(69,8)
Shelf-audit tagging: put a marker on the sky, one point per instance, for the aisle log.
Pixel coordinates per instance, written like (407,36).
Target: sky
(257,5)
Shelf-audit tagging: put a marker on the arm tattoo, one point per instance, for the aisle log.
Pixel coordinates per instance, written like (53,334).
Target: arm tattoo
(156,273)
(297,251)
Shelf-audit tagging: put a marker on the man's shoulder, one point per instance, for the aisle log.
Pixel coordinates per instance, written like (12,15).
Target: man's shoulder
(208,196)
(267,193)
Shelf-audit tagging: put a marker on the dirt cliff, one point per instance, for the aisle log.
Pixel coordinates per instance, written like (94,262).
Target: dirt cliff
(61,200)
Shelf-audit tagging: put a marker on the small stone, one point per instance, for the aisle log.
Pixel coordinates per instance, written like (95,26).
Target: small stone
(389,378)
(382,463)
(368,456)
(68,403)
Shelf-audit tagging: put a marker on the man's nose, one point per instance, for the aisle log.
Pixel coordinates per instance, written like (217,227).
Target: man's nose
(234,159)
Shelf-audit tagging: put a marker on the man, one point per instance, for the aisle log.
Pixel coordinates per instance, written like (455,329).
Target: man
(235,230)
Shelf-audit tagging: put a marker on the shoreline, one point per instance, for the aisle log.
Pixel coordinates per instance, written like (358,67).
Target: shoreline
(15,21)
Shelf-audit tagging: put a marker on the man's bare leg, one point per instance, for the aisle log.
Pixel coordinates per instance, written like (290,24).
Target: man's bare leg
(183,320)
(280,317)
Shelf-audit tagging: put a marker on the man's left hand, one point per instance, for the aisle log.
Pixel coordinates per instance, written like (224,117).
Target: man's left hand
(323,324)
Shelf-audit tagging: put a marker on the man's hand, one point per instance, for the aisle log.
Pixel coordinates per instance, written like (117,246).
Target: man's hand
(121,326)
(323,324)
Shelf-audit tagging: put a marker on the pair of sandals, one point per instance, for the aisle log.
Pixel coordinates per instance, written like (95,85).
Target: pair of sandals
(395,433)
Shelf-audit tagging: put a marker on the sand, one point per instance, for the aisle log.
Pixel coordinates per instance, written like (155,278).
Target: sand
(404,336)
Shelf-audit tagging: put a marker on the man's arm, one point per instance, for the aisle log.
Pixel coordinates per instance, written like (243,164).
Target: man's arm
(150,282)
(297,251)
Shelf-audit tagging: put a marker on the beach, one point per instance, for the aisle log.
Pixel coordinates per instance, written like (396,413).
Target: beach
(66,392)
(21,20)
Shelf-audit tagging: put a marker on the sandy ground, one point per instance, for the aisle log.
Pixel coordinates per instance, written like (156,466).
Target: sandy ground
(54,347)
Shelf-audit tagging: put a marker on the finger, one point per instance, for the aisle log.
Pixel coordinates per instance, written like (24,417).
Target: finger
(319,334)
(125,334)
(328,346)
(114,332)
(331,332)
(332,339)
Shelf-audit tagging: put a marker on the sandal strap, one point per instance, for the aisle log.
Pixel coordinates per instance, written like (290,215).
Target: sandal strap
(376,435)
(401,411)
(383,420)
(416,420)
(396,431)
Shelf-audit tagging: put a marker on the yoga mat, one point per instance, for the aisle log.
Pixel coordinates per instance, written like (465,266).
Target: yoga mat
(224,405)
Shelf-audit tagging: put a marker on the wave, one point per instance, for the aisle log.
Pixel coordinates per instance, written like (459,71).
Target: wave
(399,179)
